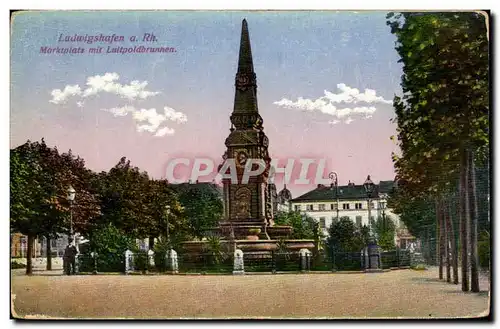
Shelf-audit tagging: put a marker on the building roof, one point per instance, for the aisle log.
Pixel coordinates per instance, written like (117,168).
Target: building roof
(346,192)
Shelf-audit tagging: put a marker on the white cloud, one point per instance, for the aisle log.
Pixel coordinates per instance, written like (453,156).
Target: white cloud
(328,103)
(59,96)
(121,111)
(164,131)
(106,83)
(149,120)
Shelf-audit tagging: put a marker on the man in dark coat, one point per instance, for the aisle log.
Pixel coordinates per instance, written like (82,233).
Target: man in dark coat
(69,258)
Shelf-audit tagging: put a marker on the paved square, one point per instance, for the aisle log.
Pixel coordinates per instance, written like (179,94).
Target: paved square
(403,293)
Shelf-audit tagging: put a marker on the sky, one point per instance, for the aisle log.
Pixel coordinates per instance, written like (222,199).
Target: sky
(325,80)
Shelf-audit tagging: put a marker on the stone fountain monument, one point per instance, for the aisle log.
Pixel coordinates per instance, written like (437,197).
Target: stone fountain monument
(248,207)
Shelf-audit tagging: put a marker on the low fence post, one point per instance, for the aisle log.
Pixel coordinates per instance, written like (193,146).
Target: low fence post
(128,262)
(238,266)
(94,261)
(397,256)
(151,259)
(273,262)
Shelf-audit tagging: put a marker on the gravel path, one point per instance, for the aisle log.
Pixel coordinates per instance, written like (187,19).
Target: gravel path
(403,293)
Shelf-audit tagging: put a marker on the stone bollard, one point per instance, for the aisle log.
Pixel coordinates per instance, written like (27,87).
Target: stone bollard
(94,258)
(151,258)
(76,263)
(129,266)
(238,267)
(172,263)
(305,259)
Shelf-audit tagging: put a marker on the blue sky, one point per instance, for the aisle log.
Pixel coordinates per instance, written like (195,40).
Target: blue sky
(296,54)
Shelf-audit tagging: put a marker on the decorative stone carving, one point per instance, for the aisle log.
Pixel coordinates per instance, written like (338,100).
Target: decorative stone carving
(242,200)
(238,266)
(244,80)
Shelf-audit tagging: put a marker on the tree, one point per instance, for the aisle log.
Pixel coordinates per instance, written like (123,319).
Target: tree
(40,177)
(202,205)
(385,230)
(303,225)
(346,236)
(443,114)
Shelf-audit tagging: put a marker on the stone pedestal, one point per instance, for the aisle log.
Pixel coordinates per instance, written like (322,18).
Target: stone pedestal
(238,267)
(372,257)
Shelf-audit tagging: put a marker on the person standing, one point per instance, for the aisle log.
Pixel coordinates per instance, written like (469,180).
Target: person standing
(69,258)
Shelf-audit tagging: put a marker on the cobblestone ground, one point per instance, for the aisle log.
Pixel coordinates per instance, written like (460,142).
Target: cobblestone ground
(403,293)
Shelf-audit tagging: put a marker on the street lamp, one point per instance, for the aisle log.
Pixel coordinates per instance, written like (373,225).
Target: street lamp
(71,197)
(383,203)
(334,177)
(372,244)
(167,211)
(368,185)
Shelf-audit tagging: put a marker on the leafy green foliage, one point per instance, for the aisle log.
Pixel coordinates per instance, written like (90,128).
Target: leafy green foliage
(484,250)
(385,230)
(216,250)
(304,226)
(346,236)
(202,206)
(444,108)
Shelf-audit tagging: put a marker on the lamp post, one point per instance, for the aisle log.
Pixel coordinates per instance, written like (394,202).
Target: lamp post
(372,244)
(334,177)
(383,203)
(167,211)
(71,197)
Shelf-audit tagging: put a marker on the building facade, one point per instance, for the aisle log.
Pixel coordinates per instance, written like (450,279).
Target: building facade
(327,206)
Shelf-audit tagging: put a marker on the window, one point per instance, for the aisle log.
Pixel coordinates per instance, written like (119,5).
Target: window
(322,222)
(297,207)
(333,206)
(358,220)
(53,243)
(345,206)
(310,207)
(321,207)
(358,205)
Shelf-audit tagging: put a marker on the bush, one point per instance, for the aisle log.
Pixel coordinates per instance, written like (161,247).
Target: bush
(419,267)
(110,244)
(16,265)
(483,249)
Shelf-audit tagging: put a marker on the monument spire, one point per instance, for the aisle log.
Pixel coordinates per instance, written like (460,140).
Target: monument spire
(245,61)
(245,99)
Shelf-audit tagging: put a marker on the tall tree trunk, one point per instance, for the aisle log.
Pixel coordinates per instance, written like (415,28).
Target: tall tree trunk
(49,253)
(439,241)
(453,239)
(151,242)
(464,215)
(29,255)
(474,256)
(444,216)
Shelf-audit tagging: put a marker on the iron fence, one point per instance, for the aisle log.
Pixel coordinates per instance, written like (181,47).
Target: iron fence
(272,261)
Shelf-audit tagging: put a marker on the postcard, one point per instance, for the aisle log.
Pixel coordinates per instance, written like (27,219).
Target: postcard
(249,165)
